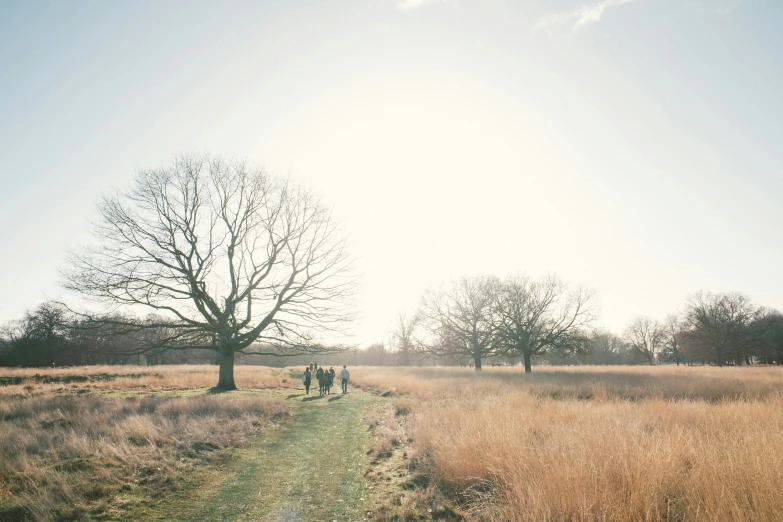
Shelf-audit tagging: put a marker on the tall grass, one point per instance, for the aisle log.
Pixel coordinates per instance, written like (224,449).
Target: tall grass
(127,378)
(598,443)
(70,447)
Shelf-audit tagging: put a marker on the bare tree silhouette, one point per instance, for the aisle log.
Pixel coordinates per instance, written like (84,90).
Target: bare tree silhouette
(231,255)
(459,317)
(722,322)
(534,317)
(646,336)
(404,337)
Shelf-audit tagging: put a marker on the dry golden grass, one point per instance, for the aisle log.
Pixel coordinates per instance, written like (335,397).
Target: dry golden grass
(658,444)
(135,378)
(69,446)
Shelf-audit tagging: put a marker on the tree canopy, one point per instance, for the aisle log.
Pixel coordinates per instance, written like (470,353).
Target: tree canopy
(229,254)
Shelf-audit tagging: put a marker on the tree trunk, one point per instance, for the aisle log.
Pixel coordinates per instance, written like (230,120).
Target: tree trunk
(226,379)
(477,362)
(528,367)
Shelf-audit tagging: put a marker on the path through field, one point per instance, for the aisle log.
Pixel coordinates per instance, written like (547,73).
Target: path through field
(311,469)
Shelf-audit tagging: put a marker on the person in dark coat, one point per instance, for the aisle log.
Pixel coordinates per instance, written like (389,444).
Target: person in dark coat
(307,379)
(321,376)
(331,379)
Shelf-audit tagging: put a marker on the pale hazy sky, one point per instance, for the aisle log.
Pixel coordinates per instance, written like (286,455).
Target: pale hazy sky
(635,147)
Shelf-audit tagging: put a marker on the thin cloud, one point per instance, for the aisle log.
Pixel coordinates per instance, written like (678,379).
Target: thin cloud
(411,5)
(576,19)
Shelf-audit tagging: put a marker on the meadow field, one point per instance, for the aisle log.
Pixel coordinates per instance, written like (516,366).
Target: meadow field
(596,443)
(581,443)
(90,442)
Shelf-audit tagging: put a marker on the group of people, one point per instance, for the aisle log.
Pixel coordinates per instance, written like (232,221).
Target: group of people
(325,378)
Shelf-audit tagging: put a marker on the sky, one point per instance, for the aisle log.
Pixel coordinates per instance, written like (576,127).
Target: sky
(631,146)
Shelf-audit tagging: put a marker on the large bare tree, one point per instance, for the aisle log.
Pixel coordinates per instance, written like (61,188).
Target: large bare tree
(533,317)
(459,317)
(233,257)
(646,336)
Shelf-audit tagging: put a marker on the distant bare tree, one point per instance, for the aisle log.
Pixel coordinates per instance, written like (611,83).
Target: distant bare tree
(534,317)
(404,337)
(376,354)
(13,334)
(235,258)
(605,347)
(40,338)
(47,321)
(673,338)
(459,317)
(646,336)
(722,322)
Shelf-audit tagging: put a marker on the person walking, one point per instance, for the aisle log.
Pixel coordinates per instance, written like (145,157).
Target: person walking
(319,374)
(331,377)
(306,380)
(344,376)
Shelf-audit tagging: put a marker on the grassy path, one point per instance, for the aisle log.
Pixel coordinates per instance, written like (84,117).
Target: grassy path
(311,469)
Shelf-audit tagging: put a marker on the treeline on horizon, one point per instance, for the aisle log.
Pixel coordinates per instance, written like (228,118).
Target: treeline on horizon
(51,335)
(478,320)
(521,319)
